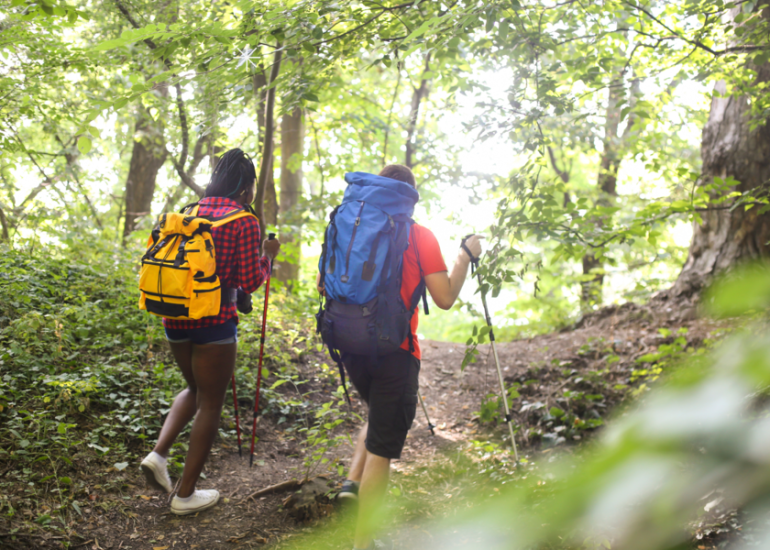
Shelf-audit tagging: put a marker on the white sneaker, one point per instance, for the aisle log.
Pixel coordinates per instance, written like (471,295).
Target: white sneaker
(155,472)
(201,499)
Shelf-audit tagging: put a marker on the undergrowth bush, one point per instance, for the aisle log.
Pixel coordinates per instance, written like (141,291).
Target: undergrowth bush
(86,379)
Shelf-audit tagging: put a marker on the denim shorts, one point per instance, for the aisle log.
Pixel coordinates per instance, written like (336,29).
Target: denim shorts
(226,333)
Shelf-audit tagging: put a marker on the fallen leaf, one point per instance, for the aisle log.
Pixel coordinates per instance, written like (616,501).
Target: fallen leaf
(160,548)
(145,497)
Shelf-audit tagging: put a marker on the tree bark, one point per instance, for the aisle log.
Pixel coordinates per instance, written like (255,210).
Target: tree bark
(729,147)
(266,162)
(292,151)
(606,182)
(414,112)
(148,155)
(4,224)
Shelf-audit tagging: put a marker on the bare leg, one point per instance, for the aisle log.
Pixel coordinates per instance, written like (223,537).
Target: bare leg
(184,406)
(213,366)
(359,456)
(370,497)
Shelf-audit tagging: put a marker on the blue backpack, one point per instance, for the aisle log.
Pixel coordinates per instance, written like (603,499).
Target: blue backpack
(360,268)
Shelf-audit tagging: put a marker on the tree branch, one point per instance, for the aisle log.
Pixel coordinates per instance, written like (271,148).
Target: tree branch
(365,23)
(696,43)
(72,165)
(414,112)
(563,175)
(390,115)
(183,124)
(267,148)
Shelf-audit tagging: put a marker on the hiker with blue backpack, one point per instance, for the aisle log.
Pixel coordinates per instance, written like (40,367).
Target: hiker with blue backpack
(375,266)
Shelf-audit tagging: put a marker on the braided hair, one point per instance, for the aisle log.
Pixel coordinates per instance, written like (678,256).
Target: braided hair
(233,174)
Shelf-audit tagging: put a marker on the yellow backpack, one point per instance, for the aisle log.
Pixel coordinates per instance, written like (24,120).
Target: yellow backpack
(178,279)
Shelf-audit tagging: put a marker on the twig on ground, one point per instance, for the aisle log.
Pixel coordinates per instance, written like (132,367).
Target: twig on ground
(277,488)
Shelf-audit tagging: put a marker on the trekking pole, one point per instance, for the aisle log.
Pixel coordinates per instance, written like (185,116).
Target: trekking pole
(508,417)
(237,420)
(270,237)
(430,425)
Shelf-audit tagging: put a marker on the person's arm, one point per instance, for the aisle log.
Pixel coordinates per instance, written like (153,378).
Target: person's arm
(253,269)
(444,288)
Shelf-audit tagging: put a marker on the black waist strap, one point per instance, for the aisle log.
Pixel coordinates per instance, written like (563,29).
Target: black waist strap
(229,295)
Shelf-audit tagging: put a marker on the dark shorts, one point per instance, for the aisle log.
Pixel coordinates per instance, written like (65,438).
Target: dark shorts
(226,333)
(389,387)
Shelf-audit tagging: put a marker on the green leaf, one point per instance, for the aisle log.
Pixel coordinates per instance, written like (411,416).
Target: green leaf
(556,412)
(84,146)
(120,466)
(65,480)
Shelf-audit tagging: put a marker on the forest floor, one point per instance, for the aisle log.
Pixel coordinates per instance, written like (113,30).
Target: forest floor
(595,362)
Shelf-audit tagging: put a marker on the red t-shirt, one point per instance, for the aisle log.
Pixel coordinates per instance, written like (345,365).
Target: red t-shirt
(422,245)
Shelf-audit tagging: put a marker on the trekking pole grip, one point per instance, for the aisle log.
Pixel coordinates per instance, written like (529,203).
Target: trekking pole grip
(474,259)
(271,237)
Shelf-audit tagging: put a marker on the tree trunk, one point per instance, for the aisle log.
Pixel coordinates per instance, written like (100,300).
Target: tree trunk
(606,181)
(292,151)
(414,112)
(266,160)
(4,225)
(729,147)
(148,155)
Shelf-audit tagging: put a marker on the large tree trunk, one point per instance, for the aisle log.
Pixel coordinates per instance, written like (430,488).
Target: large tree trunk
(729,147)
(292,150)
(148,155)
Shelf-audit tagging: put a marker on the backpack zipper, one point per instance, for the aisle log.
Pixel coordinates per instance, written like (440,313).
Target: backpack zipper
(345,277)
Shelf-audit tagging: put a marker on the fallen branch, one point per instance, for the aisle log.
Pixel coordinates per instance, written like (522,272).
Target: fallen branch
(290,485)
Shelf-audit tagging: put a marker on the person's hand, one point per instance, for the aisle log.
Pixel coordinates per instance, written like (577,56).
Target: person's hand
(271,248)
(473,243)
(243,303)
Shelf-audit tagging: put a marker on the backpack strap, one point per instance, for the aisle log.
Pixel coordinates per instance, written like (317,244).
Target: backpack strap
(233,215)
(422,279)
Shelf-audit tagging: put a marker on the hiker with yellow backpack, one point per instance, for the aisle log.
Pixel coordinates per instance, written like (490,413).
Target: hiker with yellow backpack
(199,264)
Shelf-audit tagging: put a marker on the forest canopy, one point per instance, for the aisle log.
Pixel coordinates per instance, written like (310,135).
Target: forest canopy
(114,112)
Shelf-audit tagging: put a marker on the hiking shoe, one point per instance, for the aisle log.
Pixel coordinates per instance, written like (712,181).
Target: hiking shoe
(155,472)
(348,492)
(200,500)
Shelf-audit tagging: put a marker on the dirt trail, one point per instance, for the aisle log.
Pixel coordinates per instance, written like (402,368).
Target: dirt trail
(593,359)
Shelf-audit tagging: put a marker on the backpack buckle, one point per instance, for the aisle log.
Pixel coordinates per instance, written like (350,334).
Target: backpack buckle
(358,221)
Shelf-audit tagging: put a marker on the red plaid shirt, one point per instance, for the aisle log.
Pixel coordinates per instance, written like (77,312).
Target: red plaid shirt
(238,261)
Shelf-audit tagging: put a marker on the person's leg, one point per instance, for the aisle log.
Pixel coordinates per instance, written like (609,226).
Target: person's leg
(184,406)
(370,497)
(356,367)
(212,366)
(358,461)
(392,408)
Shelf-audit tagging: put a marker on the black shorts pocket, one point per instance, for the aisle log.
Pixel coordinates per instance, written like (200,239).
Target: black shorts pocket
(408,411)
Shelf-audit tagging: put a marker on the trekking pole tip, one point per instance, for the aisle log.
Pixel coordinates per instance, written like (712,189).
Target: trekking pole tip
(430,427)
